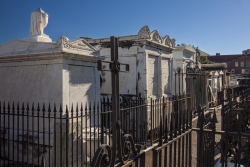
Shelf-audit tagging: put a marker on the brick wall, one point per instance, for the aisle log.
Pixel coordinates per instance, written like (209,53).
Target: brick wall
(238,70)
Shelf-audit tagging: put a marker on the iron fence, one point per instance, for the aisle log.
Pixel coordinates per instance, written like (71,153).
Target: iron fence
(196,79)
(174,146)
(36,135)
(32,135)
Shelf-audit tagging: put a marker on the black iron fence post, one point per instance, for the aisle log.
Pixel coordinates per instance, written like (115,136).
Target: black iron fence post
(121,148)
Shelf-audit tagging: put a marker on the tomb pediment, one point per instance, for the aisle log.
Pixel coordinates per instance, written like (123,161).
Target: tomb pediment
(155,36)
(144,33)
(76,44)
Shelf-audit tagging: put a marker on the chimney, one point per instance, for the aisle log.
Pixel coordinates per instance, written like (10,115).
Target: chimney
(217,54)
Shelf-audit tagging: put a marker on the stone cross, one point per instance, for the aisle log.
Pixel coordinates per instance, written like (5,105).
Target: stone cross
(114,68)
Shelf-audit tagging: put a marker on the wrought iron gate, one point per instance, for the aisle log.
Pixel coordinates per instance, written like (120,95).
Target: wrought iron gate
(192,81)
(196,86)
(234,144)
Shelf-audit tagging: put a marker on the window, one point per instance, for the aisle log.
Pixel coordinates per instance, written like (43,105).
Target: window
(236,64)
(232,71)
(242,64)
(247,63)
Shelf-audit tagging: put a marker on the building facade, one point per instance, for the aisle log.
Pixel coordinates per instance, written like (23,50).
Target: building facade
(238,65)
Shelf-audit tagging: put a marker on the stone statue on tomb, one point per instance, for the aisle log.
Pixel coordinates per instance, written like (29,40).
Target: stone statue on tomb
(39,20)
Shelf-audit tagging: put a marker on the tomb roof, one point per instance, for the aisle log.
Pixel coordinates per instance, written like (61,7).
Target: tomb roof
(18,48)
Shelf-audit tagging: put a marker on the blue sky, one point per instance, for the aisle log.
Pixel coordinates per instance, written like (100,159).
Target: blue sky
(212,25)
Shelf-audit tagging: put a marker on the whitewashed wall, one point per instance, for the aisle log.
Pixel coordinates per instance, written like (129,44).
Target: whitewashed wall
(149,73)
(55,81)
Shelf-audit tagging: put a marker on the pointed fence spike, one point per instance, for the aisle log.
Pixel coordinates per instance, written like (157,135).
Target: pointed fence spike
(54,107)
(77,107)
(8,107)
(81,109)
(18,108)
(13,106)
(27,108)
(23,107)
(72,108)
(60,110)
(49,109)
(94,107)
(67,110)
(90,106)
(38,107)
(66,113)
(86,108)
(43,109)
(32,108)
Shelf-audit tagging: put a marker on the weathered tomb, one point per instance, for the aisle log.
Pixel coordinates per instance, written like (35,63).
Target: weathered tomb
(150,70)
(150,59)
(37,70)
(61,72)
